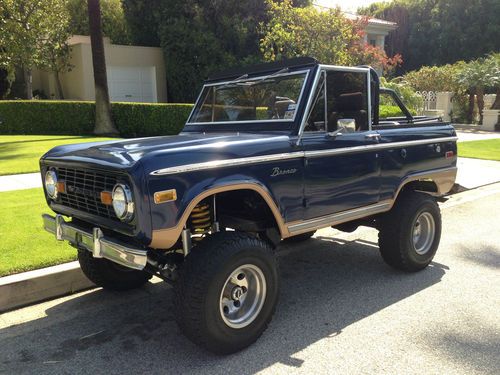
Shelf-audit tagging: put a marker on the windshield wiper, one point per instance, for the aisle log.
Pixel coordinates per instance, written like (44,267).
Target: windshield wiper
(251,83)
(232,81)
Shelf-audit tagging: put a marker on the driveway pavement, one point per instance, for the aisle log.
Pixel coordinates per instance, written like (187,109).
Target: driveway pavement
(342,310)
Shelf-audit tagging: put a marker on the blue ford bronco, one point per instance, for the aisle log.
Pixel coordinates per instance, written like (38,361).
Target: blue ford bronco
(270,153)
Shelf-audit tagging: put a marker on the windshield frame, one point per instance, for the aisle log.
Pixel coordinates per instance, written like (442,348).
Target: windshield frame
(262,77)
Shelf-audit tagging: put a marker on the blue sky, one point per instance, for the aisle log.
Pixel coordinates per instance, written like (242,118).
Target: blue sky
(347,5)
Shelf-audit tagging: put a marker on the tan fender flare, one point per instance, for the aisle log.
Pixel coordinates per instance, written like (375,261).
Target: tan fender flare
(166,238)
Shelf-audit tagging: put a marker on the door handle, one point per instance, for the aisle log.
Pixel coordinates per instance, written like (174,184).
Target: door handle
(372,136)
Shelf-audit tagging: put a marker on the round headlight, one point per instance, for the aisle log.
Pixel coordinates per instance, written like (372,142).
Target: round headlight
(122,202)
(51,183)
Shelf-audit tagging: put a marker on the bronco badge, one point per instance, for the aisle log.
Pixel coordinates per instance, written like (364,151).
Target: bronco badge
(280,172)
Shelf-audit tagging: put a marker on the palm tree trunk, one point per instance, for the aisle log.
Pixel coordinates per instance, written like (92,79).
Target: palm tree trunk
(28,83)
(103,120)
(480,104)
(470,110)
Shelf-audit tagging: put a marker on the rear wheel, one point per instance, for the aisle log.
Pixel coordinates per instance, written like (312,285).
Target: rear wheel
(227,291)
(409,234)
(109,275)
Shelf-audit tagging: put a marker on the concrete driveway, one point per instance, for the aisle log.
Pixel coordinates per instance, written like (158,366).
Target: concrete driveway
(342,310)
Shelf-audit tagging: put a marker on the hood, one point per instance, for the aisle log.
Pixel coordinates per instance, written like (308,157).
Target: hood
(181,149)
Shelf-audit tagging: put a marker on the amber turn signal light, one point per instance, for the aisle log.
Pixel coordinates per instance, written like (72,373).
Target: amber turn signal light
(165,196)
(106,198)
(61,187)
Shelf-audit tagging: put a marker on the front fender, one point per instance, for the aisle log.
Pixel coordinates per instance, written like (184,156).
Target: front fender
(170,218)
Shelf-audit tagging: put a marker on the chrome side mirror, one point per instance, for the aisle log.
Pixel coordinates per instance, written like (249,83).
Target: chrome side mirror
(347,124)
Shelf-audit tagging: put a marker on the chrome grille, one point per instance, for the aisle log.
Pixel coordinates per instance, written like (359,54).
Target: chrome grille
(83,191)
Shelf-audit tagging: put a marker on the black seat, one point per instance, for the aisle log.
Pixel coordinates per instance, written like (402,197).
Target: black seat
(349,106)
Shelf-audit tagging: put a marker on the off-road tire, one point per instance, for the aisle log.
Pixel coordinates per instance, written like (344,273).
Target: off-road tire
(300,237)
(201,279)
(109,275)
(396,232)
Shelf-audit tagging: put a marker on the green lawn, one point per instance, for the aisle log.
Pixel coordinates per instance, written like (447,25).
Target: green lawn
(20,153)
(24,244)
(487,149)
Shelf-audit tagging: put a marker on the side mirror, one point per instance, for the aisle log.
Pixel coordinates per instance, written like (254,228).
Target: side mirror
(347,124)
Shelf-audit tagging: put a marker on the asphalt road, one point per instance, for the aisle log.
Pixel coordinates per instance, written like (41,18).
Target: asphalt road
(342,310)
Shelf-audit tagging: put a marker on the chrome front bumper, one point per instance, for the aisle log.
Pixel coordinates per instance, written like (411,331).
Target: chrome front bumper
(95,242)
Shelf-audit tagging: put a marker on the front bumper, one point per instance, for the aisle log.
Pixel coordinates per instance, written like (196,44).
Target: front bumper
(95,242)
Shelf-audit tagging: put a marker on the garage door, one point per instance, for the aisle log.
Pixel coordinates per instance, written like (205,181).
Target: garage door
(132,84)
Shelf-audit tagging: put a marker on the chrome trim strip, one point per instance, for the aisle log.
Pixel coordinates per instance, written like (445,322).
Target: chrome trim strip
(293,155)
(307,109)
(340,217)
(344,68)
(96,243)
(376,146)
(369,98)
(227,163)
(251,121)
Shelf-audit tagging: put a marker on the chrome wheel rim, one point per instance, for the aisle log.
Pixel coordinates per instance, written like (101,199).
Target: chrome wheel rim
(424,231)
(243,296)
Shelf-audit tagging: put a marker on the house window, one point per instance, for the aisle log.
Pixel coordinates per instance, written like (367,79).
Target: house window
(373,42)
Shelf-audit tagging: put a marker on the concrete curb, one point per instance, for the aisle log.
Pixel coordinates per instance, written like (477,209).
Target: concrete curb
(35,286)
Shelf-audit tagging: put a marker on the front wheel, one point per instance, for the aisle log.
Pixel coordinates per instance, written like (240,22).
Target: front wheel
(409,234)
(227,291)
(109,275)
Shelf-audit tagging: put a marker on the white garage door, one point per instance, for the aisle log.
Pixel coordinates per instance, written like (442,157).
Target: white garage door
(132,84)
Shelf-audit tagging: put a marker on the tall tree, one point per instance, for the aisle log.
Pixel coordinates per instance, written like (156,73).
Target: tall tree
(198,36)
(31,29)
(438,32)
(114,24)
(103,121)
(328,36)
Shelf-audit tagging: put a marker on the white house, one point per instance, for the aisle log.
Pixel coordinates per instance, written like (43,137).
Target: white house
(135,73)
(376,30)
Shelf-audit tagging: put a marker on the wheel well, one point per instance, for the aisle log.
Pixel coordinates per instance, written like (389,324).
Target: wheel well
(244,210)
(426,186)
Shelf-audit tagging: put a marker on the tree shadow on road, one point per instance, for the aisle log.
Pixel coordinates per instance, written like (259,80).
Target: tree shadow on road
(327,285)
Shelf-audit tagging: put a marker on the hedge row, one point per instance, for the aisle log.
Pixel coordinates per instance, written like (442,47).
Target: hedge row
(386,110)
(77,118)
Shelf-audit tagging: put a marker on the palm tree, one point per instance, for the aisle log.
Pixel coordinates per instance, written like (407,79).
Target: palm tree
(103,120)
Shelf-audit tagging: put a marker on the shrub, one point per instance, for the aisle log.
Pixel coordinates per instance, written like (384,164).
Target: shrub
(410,98)
(386,111)
(77,118)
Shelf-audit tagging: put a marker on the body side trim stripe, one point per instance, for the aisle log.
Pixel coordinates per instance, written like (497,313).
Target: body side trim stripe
(227,163)
(339,217)
(377,146)
(293,155)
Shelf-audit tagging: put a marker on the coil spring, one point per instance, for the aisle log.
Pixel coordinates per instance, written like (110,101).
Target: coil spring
(200,219)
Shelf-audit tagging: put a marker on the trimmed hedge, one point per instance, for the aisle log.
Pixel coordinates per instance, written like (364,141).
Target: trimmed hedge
(391,111)
(77,117)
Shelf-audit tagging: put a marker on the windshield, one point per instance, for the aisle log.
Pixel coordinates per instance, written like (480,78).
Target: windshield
(268,98)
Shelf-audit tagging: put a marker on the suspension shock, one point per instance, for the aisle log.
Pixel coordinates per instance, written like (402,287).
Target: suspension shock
(200,220)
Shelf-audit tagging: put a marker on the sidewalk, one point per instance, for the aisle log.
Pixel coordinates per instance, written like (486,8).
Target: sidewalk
(20,181)
(466,134)
(473,173)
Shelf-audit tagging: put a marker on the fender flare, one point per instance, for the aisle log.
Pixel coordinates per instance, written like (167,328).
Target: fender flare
(166,238)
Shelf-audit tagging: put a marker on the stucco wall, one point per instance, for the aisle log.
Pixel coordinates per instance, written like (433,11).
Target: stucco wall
(78,84)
